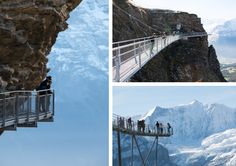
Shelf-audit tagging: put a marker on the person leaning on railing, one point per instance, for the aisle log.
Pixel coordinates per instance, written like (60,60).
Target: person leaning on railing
(44,94)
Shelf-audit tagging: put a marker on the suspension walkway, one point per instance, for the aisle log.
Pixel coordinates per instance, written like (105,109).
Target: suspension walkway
(25,109)
(129,127)
(129,56)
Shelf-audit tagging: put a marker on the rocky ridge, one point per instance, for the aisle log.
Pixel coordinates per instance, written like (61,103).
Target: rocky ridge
(28,29)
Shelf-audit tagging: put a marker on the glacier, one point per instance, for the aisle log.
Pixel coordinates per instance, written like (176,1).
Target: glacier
(195,121)
(223,37)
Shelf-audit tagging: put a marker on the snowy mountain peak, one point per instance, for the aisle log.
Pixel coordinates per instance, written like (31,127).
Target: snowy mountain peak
(151,112)
(194,102)
(194,121)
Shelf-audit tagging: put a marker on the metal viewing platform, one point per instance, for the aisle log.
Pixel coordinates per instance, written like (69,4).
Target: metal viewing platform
(134,129)
(25,108)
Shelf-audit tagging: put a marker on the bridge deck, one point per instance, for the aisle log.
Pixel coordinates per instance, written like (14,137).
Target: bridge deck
(126,126)
(140,133)
(131,55)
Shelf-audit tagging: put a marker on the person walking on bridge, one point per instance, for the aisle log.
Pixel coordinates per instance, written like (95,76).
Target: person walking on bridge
(44,92)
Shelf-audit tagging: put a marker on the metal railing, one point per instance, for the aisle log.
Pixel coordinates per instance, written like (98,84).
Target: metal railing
(20,107)
(123,124)
(130,56)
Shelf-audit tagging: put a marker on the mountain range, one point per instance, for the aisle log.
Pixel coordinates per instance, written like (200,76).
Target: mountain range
(203,134)
(195,121)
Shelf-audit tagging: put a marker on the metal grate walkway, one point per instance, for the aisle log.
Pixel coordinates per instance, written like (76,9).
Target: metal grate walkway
(130,56)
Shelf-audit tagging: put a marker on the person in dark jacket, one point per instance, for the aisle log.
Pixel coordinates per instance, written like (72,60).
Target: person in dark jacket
(129,123)
(157,125)
(168,127)
(44,94)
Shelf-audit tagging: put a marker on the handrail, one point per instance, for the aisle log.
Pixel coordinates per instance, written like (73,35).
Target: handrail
(23,91)
(125,125)
(129,58)
(132,40)
(24,106)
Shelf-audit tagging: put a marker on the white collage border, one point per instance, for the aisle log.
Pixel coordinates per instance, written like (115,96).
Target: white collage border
(116,84)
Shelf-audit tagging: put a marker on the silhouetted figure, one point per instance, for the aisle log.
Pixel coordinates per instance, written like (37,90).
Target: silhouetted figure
(139,125)
(161,127)
(122,123)
(44,94)
(129,123)
(143,125)
(168,127)
(157,125)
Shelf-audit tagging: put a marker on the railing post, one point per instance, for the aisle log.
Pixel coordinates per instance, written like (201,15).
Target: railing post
(53,100)
(37,106)
(46,103)
(117,62)
(119,148)
(4,110)
(139,56)
(28,107)
(156,148)
(16,108)
(132,151)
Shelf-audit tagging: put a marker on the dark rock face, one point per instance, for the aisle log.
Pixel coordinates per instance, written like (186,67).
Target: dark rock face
(28,29)
(183,61)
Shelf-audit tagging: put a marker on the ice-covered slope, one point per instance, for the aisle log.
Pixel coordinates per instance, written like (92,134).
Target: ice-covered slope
(203,134)
(79,66)
(194,121)
(223,37)
(216,150)
(81,53)
(225,32)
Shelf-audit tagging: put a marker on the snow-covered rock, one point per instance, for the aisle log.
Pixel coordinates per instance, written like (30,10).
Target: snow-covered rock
(203,134)
(194,121)
(223,37)
(216,150)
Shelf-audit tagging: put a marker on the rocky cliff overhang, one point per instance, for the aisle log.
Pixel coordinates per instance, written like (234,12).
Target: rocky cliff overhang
(28,30)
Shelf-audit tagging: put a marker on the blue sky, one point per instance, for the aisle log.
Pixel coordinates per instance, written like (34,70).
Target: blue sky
(79,134)
(129,101)
(206,9)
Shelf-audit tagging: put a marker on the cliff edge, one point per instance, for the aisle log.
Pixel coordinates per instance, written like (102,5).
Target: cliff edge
(28,30)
